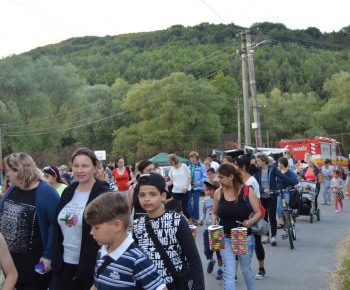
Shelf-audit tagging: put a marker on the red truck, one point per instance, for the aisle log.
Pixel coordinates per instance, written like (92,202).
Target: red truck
(321,148)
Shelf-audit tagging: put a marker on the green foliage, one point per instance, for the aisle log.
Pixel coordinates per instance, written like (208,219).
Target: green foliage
(289,116)
(170,113)
(165,89)
(333,115)
(227,86)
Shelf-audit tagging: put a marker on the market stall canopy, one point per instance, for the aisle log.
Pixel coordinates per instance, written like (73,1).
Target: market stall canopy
(162,159)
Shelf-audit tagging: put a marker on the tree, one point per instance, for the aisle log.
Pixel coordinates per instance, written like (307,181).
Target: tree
(333,115)
(227,86)
(170,113)
(287,115)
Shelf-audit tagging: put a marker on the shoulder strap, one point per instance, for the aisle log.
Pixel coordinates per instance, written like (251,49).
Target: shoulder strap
(109,260)
(246,197)
(167,262)
(104,265)
(128,171)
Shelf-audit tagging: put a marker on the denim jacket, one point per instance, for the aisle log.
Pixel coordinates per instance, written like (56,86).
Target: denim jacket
(200,175)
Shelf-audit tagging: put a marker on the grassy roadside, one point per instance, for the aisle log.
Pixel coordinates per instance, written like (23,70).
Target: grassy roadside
(340,279)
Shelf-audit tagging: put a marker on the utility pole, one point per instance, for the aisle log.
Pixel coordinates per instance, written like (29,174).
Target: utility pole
(257,126)
(247,135)
(238,103)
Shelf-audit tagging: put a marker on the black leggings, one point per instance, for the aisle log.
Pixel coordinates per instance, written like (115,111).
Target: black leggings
(270,204)
(38,285)
(259,249)
(64,280)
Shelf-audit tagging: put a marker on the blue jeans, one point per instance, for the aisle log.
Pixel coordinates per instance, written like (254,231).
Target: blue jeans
(245,263)
(326,190)
(194,211)
(279,202)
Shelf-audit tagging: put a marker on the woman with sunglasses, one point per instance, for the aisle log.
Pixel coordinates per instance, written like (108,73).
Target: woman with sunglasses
(52,176)
(26,221)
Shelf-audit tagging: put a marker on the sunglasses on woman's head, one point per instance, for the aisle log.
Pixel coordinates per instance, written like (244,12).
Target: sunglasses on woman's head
(49,168)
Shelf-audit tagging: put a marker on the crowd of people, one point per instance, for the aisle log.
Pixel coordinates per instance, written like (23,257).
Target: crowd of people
(72,230)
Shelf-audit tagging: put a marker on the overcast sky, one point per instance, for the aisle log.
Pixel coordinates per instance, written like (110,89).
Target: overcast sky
(27,24)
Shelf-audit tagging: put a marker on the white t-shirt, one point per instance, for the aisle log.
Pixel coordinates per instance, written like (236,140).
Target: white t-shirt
(70,220)
(252,181)
(180,177)
(215,165)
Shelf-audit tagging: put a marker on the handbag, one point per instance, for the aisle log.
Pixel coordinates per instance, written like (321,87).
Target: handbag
(296,200)
(261,227)
(182,280)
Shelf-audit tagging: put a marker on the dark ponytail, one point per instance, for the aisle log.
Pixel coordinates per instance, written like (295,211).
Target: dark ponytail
(243,162)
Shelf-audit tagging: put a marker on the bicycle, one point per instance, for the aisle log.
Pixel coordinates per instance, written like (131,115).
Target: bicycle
(288,219)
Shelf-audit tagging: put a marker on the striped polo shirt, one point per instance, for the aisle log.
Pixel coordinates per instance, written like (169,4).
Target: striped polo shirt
(130,269)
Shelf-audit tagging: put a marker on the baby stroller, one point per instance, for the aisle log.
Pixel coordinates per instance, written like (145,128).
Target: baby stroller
(308,207)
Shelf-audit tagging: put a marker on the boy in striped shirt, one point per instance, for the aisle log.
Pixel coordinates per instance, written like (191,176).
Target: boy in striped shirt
(120,262)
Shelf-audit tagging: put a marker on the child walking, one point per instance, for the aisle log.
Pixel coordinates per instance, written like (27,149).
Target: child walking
(337,189)
(166,237)
(327,171)
(207,212)
(120,262)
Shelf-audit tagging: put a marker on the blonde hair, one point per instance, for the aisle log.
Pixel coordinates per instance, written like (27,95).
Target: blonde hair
(207,163)
(174,158)
(194,154)
(313,161)
(26,168)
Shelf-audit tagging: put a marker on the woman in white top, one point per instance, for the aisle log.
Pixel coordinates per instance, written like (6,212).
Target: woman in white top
(247,170)
(289,157)
(180,178)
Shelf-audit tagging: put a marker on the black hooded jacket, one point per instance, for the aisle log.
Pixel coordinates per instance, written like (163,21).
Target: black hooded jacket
(89,246)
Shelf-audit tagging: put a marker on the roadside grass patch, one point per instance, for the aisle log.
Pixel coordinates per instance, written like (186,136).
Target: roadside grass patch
(340,279)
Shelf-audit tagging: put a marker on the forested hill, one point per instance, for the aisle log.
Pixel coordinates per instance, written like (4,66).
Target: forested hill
(171,90)
(295,61)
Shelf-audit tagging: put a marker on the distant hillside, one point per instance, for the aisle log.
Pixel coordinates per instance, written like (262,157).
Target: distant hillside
(295,61)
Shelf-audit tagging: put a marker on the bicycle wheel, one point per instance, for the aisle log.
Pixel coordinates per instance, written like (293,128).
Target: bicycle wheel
(289,231)
(292,226)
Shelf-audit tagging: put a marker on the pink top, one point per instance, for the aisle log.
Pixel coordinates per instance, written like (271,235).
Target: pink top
(309,175)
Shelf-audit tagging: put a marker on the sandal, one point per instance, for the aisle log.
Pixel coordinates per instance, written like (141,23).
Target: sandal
(280,226)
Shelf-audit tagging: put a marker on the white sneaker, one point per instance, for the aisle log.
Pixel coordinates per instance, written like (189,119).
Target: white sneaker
(265,240)
(273,241)
(337,211)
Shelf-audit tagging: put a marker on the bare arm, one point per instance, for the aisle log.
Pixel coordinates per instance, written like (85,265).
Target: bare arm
(214,216)
(131,198)
(8,266)
(170,182)
(132,178)
(93,287)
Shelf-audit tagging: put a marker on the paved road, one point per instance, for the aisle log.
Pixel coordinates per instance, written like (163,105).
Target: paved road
(301,268)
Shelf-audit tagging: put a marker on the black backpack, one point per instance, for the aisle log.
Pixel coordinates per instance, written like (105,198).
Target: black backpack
(296,200)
